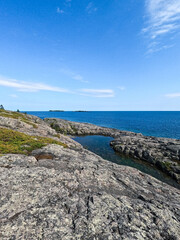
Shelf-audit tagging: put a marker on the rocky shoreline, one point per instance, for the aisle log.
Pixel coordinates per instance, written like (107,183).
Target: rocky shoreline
(72,194)
(164,153)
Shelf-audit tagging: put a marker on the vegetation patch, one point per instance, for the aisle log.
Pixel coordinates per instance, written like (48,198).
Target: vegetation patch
(58,129)
(17,115)
(74,130)
(15,142)
(57,135)
(167,165)
(71,130)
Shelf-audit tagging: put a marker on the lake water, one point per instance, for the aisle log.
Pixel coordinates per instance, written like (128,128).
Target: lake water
(100,145)
(159,124)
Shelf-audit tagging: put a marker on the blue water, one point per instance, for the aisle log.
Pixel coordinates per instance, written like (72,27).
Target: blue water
(100,145)
(158,124)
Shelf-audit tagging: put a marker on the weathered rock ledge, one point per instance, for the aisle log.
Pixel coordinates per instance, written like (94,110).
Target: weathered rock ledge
(164,153)
(75,194)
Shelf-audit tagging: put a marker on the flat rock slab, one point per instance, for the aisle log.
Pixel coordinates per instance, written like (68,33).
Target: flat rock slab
(78,195)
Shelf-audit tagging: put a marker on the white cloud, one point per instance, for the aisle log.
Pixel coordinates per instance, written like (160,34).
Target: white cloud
(67,3)
(122,88)
(90,8)
(99,93)
(28,86)
(156,47)
(13,95)
(59,10)
(173,95)
(35,87)
(73,75)
(78,77)
(163,18)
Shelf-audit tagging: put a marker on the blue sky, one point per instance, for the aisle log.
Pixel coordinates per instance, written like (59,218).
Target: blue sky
(90,55)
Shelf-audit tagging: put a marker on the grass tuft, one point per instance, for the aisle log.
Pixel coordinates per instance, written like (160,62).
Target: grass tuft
(19,143)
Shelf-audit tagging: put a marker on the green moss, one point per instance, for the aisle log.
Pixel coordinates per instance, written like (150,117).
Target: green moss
(74,130)
(15,142)
(58,129)
(167,165)
(17,115)
(57,135)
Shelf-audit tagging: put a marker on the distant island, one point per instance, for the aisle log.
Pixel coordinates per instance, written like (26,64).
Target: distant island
(56,110)
(80,111)
(64,111)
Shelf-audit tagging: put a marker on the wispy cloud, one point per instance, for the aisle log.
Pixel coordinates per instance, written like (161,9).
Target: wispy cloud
(173,95)
(67,3)
(23,86)
(59,10)
(91,8)
(99,93)
(29,86)
(156,47)
(163,19)
(73,75)
(13,95)
(78,77)
(122,88)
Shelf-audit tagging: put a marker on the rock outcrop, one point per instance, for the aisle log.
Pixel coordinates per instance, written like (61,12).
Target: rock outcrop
(75,195)
(164,153)
(34,126)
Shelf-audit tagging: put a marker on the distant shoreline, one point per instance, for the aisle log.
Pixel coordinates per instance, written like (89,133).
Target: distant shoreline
(66,111)
(56,110)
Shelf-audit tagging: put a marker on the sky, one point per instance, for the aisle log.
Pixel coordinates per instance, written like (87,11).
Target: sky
(105,55)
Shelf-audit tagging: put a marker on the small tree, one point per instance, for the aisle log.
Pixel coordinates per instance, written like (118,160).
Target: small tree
(1,107)
(18,110)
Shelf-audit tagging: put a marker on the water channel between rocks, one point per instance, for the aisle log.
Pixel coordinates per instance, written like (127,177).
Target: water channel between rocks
(100,145)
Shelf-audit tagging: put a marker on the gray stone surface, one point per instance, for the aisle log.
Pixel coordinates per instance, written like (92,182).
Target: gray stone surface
(164,153)
(75,195)
(40,128)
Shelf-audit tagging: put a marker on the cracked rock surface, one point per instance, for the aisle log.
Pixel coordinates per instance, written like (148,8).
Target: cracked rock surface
(75,194)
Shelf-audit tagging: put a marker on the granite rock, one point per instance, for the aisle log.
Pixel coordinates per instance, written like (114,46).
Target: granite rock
(76,194)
